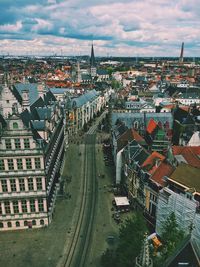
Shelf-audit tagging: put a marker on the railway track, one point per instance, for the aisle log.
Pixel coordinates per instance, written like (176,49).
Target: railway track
(80,242)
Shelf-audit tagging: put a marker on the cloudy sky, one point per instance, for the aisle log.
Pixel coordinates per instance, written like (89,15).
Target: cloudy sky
(118,27)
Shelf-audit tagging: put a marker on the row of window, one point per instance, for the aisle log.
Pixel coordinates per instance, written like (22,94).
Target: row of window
(28,164)
(21,182)
(17,143)
(24,206)
(18,224)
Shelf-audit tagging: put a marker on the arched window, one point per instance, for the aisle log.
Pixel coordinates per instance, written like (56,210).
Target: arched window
(15,125)
(9,224)
(41,222)
(1,225)
(25,223)
(17,224)
(33,222)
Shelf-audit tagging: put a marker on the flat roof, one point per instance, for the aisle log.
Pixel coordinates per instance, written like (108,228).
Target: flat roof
(122,201)
(187,176)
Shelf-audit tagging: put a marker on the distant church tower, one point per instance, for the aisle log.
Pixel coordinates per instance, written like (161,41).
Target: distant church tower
(181,55)
(93,69)
(78,77)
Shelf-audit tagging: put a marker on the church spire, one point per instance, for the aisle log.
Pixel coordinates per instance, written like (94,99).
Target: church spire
(93,70)
(92,58)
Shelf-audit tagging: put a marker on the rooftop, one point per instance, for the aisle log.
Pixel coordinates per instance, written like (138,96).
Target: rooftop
(187,176)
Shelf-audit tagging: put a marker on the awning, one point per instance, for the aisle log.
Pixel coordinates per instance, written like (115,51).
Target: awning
(122,201)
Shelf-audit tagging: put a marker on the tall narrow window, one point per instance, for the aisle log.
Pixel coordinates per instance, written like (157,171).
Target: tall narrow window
(32,205)
(13,185)
(2,166)
(30,184)
(39,183)
(28,164)
(19,164)
(40,205)
(17,143)
(8,143)
(15,207)
(26,143)
(10,164)
(37,163)
(4,185)
(24,205)
(7,207)
(21,184)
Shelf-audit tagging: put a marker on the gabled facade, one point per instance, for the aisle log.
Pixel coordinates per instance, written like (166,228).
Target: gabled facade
(80,110)
(31,152)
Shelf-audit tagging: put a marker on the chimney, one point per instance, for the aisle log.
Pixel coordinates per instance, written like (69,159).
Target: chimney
(25,99)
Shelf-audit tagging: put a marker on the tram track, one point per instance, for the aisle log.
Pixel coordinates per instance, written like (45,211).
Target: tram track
(79,246)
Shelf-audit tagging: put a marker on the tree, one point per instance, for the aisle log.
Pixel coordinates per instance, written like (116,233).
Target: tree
(131,236)
(115,84)
(171,237)
(108,258)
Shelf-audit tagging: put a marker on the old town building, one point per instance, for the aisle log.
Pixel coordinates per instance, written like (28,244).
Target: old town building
(31,151)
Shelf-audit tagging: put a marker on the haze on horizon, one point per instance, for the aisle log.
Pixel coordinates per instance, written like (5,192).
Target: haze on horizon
(118,27)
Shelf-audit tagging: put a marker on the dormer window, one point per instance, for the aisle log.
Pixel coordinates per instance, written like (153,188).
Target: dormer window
(15,125)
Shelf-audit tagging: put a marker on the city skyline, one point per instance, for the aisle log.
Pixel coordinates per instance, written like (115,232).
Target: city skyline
(118,28)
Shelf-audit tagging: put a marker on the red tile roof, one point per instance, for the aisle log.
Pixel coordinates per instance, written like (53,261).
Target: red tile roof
(164,169)
(137,136)
(150,163)
(190,153)
(151,126)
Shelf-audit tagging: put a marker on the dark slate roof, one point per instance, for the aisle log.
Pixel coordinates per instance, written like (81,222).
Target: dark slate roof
(119,130)
(137,152)
(31,87)
(83,99)
(38,125)
(26,117)
(86,77)
(2,120)
(44,113)
(141,156)
(37,137)
(49,97)
(56,91)
(102,72)
(144,118)
(38,103)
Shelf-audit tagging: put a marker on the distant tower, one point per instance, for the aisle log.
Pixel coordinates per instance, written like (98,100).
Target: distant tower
(93,69)
(144,260)
(181,55)
(78,72)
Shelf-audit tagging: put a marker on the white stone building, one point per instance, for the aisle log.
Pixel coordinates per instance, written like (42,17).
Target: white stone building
(31,151)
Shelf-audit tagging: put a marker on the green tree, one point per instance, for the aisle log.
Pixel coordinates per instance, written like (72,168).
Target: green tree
(108,258)
(131,236)
(115,84)
(110,70)
(171,235)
